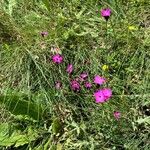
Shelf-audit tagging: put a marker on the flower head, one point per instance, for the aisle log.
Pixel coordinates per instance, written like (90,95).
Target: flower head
(44,33)
(106,13)
(105,67)
(75,86)
(88,85)
(99,80)
(107,93)
(103,95)
(83,75)
(57,58)
(69,68)
(132,28)
(117,114)
(99,96)
(58,85)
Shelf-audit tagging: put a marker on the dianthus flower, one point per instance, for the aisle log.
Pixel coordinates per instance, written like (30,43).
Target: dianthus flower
(75,86)
(117,114)
(83,75)
(69,68)
(57,58)
(99,80)
(106,13)
(58,85)
(88,85)
(103,95)
(44,33)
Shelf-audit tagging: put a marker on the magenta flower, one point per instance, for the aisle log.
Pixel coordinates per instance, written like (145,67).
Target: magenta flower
(107,93)
(75,86)
(69,68)
(44,33)
(57,58)
(88,85)
(103,95)
(99,80)
(117,114)
(83,75)
(106,13)
(58,85)
(99,96)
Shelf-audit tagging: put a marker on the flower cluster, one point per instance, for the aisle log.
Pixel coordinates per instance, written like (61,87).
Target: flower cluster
(78,81)
(101,95)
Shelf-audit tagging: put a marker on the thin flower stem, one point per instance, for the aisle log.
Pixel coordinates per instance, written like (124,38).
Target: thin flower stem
(106,34)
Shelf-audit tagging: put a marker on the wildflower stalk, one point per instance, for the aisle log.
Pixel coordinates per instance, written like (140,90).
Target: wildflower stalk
(106,14)
(106,40)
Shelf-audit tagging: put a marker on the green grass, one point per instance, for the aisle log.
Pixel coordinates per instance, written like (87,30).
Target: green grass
(34,115)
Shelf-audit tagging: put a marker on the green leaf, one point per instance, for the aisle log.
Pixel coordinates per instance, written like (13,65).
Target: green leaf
(16,138)
(59,146)
(144,120)
(18,105)
(56,126)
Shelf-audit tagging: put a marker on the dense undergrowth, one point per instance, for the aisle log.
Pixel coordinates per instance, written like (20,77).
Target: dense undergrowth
(36,115)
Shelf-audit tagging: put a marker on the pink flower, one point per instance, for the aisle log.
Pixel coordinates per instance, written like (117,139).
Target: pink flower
(88,85)
(106,13)
(58,85)
(44,33)
(69,68)
(57,58)
(99,96)
(83,75)
(117,114)
(103,95)
(75,85)
(99,80)
(107,93)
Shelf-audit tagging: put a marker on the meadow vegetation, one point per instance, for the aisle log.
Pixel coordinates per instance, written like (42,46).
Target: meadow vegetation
(55,55)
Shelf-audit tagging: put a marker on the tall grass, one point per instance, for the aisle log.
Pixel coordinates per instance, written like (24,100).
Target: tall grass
(34,114)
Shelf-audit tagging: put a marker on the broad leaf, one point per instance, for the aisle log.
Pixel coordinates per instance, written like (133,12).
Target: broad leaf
(144,120)
(18,105)
(9,136)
